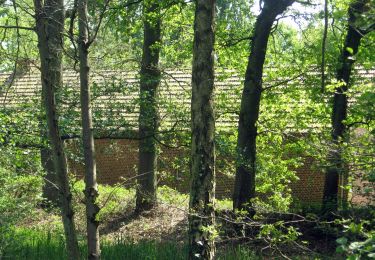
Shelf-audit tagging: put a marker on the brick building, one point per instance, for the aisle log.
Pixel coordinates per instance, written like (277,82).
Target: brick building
(115,121)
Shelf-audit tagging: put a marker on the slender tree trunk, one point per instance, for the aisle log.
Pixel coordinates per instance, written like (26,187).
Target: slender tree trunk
(202,193)
(244,187)
(91,190)
(50,27)
(324,43)
(340,104)
(50,187)
(50,191)
(148,115)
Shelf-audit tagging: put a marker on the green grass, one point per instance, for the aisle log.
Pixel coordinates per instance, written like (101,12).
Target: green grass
(47,240)
(30,244)
(38,245)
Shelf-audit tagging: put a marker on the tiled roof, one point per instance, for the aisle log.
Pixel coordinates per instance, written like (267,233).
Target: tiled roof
(115,96)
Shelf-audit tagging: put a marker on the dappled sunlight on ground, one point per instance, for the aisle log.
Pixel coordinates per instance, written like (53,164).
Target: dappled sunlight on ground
(164,223)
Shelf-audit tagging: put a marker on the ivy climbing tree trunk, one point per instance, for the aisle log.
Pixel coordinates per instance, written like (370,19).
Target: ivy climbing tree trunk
(202,192)
(148,115)
(91,188)
(244,187)
(49,17)
(340,105)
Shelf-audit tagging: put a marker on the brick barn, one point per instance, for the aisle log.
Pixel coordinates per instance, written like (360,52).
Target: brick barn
(115,122)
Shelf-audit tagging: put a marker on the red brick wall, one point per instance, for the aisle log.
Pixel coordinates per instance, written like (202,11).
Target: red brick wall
(117,163)
(309,187)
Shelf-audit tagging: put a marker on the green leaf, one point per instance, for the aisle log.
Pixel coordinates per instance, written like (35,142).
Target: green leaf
(340,249)
(353,257)
(355,245)
(342,241)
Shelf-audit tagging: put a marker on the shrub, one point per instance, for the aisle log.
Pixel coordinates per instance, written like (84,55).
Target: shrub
(357,240)
(19,195)
(113,200)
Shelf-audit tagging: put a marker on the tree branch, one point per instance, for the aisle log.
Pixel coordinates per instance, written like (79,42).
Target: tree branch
(369,29)
(92,39)
(232,42)
(13,77)
(283,82)
(17,27)
(130,3)
(324,40)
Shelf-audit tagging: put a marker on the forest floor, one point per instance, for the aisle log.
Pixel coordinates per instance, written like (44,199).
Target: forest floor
(168,223)
(163,223)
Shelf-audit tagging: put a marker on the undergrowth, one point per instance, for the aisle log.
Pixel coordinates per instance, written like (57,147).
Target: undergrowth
(38,245)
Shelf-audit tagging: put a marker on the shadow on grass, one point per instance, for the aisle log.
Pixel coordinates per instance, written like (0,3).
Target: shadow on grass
(117,222)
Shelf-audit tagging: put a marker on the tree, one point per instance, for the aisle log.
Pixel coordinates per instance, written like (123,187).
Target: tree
(148,114)
(50,189)
(91,188)
(244,187)
(49,17)
(202,192)
(340,101)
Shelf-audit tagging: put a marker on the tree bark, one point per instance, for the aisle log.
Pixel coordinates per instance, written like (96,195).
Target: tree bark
(202,193)
(91,189)
(244,187)
(340,105)
(148,114)
(50,27)
(50,187)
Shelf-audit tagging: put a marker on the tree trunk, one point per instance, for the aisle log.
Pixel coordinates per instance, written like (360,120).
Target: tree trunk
(50,186)
(91,189)
(202,193)
(50,27)
(50,191)
(148,115)
(339,111)
(244,187)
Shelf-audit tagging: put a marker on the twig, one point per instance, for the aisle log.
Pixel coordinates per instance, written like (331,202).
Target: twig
(283,82)
(14,75)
